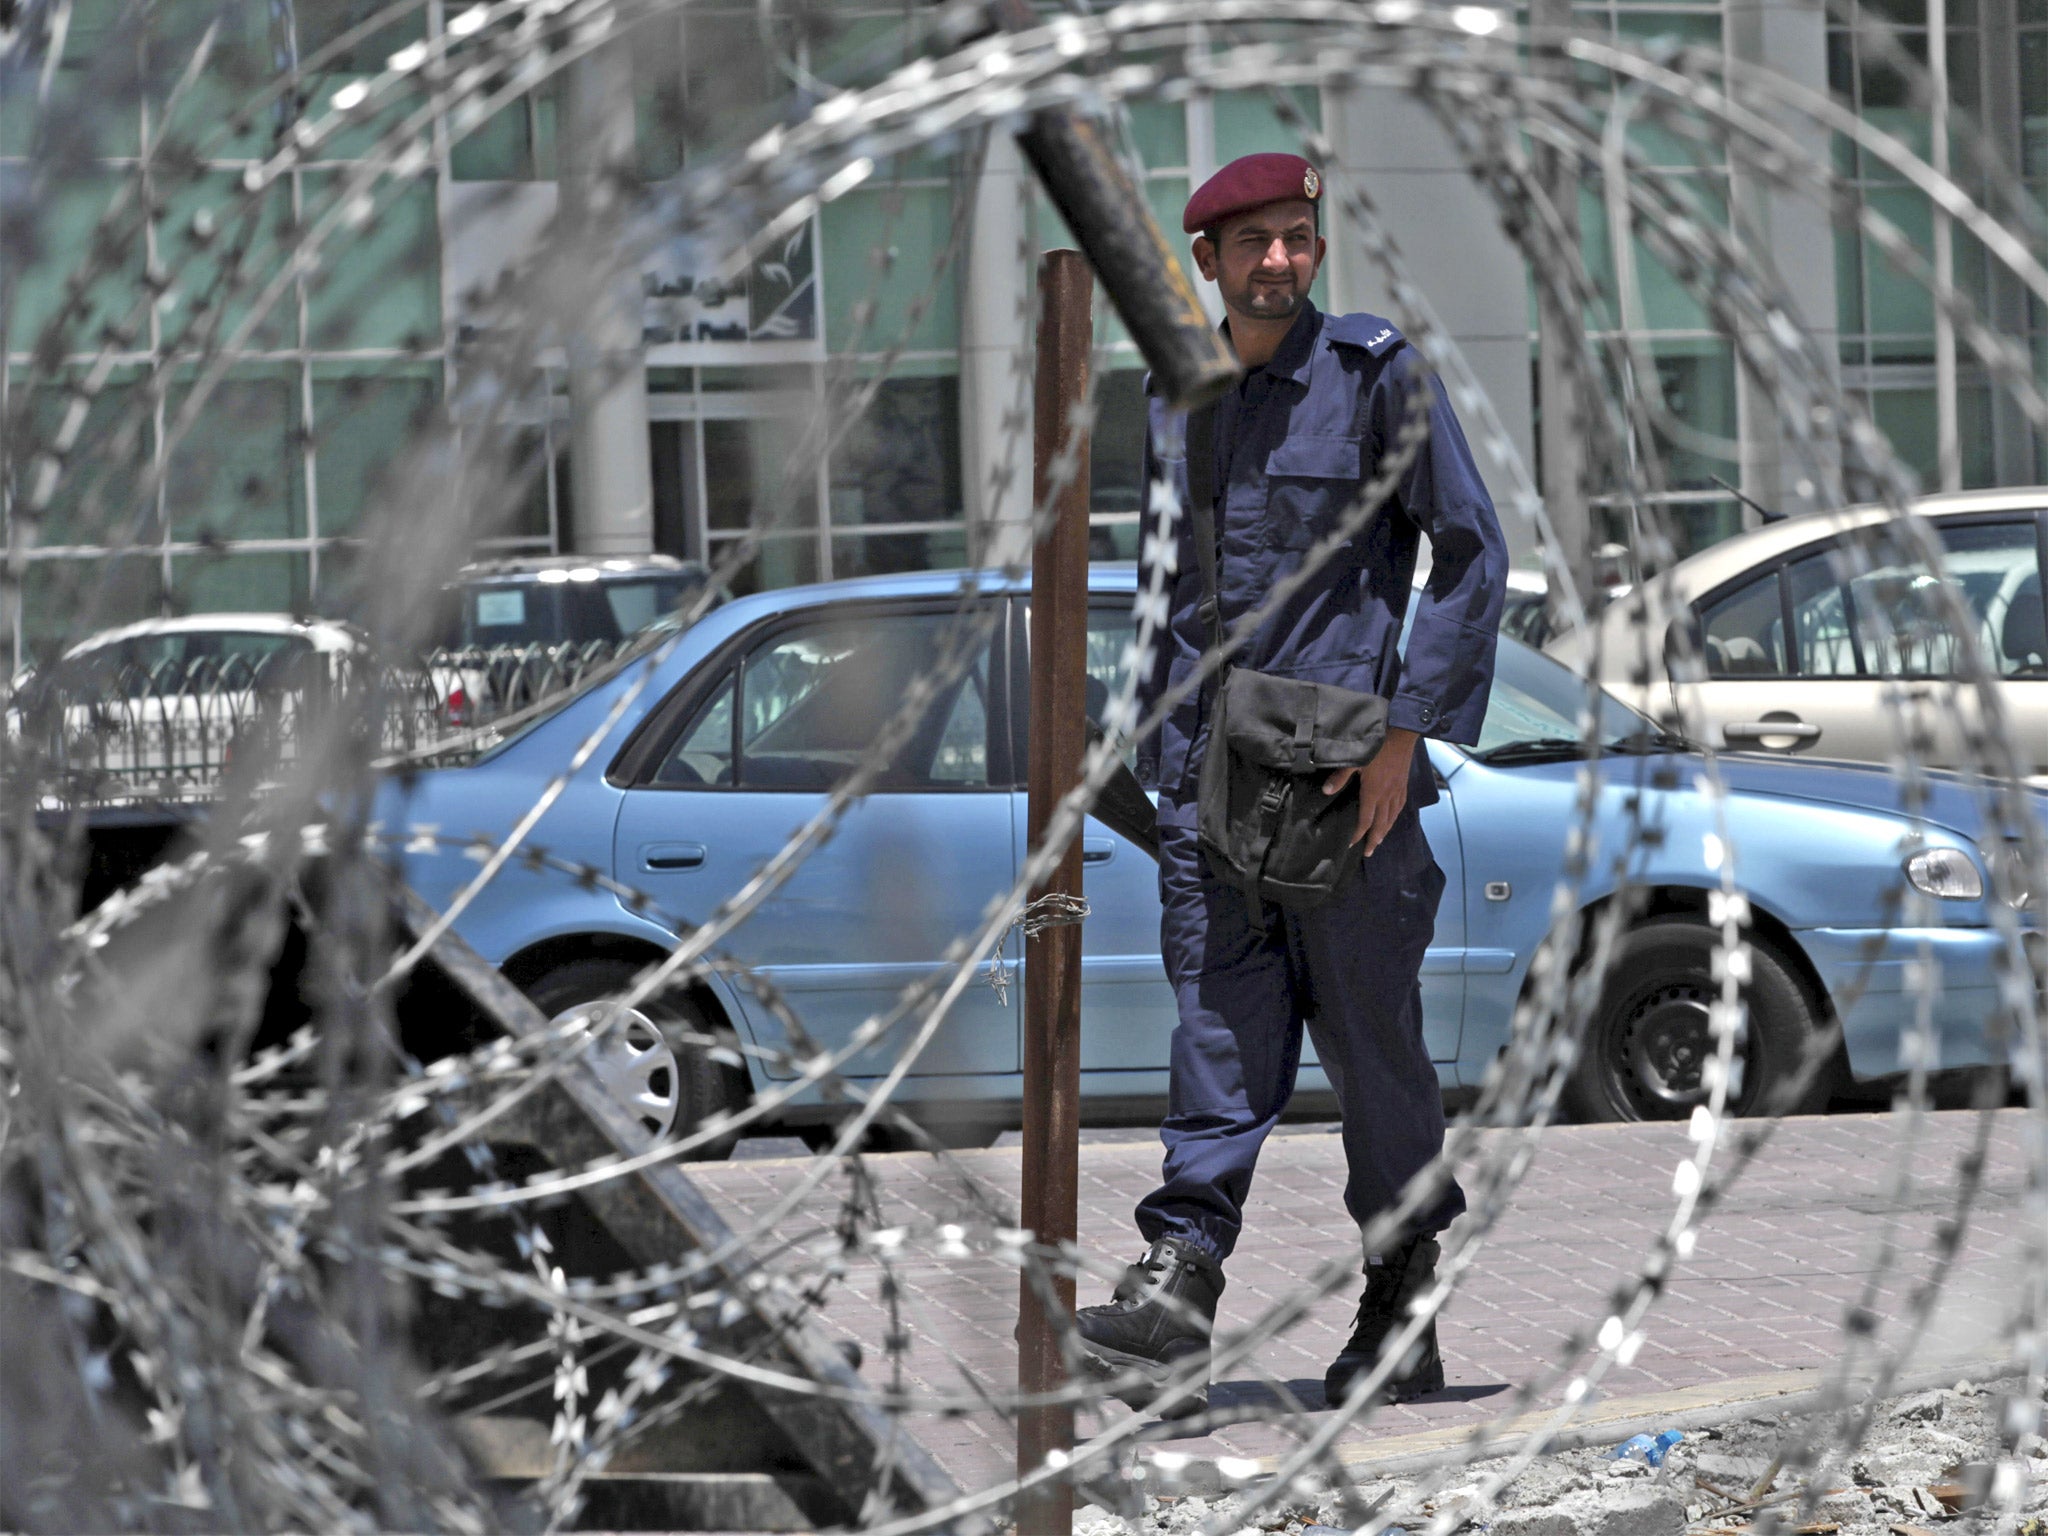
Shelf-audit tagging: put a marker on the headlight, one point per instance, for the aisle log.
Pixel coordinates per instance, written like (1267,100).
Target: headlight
(1948,873)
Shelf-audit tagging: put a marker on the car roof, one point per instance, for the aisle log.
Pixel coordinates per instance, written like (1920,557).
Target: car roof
(1107,576)
(325,634)
(511,569)
(1702,572)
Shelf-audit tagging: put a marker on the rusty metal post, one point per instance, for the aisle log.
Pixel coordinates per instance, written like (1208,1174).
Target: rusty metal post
(1052,968)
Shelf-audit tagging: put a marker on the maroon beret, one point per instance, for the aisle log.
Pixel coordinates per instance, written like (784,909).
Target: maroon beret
(1251,181)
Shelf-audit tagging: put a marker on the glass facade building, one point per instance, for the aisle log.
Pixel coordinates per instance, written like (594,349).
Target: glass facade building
(908,287)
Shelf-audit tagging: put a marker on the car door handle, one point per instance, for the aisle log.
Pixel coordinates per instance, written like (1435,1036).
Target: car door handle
(1097,850)
(1756,730)
(672,856)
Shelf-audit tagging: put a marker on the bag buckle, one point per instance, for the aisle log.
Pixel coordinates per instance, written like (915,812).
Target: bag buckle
(1304,738)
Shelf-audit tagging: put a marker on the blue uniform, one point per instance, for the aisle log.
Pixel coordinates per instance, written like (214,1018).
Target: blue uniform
(1295,444)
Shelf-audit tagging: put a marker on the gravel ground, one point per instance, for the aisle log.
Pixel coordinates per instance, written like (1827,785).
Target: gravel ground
(1932,1462)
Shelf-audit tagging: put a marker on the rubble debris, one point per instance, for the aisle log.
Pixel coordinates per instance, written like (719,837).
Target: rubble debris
(1926,1468)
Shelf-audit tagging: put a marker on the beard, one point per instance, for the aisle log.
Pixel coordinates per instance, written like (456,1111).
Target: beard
(1267,301)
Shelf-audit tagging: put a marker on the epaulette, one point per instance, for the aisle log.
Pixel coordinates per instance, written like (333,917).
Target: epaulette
(1377,336)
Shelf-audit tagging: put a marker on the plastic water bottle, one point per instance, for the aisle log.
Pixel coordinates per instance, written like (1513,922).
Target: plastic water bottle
(1650,1452)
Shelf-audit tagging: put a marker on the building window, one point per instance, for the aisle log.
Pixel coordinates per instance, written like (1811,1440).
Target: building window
(1886,315)
(263,488)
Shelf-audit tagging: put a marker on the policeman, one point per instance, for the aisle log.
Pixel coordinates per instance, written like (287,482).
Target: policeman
(1321,404)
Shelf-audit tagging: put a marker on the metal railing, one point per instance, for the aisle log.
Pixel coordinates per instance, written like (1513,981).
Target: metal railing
(174,732)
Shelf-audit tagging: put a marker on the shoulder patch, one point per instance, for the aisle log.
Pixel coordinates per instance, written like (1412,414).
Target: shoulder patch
(1375,335)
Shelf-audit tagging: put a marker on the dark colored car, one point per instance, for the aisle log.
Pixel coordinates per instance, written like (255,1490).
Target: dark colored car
(566,599)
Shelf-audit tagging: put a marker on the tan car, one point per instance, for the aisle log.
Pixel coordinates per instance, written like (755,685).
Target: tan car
(1826,636)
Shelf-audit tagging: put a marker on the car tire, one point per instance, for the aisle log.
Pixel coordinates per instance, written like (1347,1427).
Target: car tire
(671,1086)
(1648,1037)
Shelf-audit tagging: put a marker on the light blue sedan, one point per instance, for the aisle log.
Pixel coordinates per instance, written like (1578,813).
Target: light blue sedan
(764,705)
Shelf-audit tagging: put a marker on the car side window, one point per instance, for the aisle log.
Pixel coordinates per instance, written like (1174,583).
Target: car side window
(1744,632)
(1824,643)
(803,709)
(1111,629)
(1998,567)
(703,754)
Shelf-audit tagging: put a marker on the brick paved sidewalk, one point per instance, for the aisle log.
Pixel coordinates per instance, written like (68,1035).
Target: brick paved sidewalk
(1765,1292)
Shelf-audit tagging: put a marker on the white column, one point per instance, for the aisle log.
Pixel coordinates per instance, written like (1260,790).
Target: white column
(1789,36)
(608,444)
(1454,251)
(995,361)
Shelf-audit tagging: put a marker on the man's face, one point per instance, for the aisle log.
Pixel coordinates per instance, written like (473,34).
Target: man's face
(1262,262)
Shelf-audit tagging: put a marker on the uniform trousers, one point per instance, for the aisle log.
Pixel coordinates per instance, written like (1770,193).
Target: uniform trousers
(1349,971)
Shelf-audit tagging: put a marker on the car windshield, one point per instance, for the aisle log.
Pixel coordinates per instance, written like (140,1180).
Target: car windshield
(1534,711)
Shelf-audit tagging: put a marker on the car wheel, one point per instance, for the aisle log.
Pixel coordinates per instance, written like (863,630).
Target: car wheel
(667,1084)
(1648,1042)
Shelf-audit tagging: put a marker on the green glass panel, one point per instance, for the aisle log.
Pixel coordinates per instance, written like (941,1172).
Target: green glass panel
(500,149)
(325,23)
(225,112)
(108,462)
(238,472)
(1117,450)
(900,461)
(1965,71)
(378,285)
(362,425)
(2034,103)
(851,49)
(1849,318)
(1646,25)
(942,548)
(545,115)
(1904,13)
(782,561)
(1907,418)
(1900,304)
(365,128)
(223,247)
(63,601)
(87,107)
(1695,525)
(1666,304)
(879,247)
(659,131)
(1160,130)
(1697,380)
(218,114)
(1246,122)
(1659,144)
(2033,12)
(1975,438)
(757,475)
(265,583)
(1841,63)
(66,237)
(1909,127)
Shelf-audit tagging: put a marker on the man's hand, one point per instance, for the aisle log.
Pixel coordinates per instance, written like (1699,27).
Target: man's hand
(1382,787)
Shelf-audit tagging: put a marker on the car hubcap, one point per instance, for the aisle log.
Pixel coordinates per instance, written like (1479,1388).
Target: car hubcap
(634,1062)
(1663,1051)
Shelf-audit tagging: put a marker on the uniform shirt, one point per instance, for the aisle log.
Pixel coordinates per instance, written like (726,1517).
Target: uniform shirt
(1295,444)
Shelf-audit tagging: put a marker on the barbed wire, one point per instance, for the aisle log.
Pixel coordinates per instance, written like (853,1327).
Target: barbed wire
(219,1228)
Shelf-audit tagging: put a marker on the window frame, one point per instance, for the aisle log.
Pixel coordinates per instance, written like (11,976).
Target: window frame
(648,747)
(1775,568)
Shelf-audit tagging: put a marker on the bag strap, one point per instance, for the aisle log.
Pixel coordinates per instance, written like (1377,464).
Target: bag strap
(1201,450)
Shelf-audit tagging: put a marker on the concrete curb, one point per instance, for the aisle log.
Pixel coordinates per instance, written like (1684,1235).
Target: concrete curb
(1603,1422)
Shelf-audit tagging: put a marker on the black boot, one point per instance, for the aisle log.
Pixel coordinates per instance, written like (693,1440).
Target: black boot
(1390,1287)
(1159,1319)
